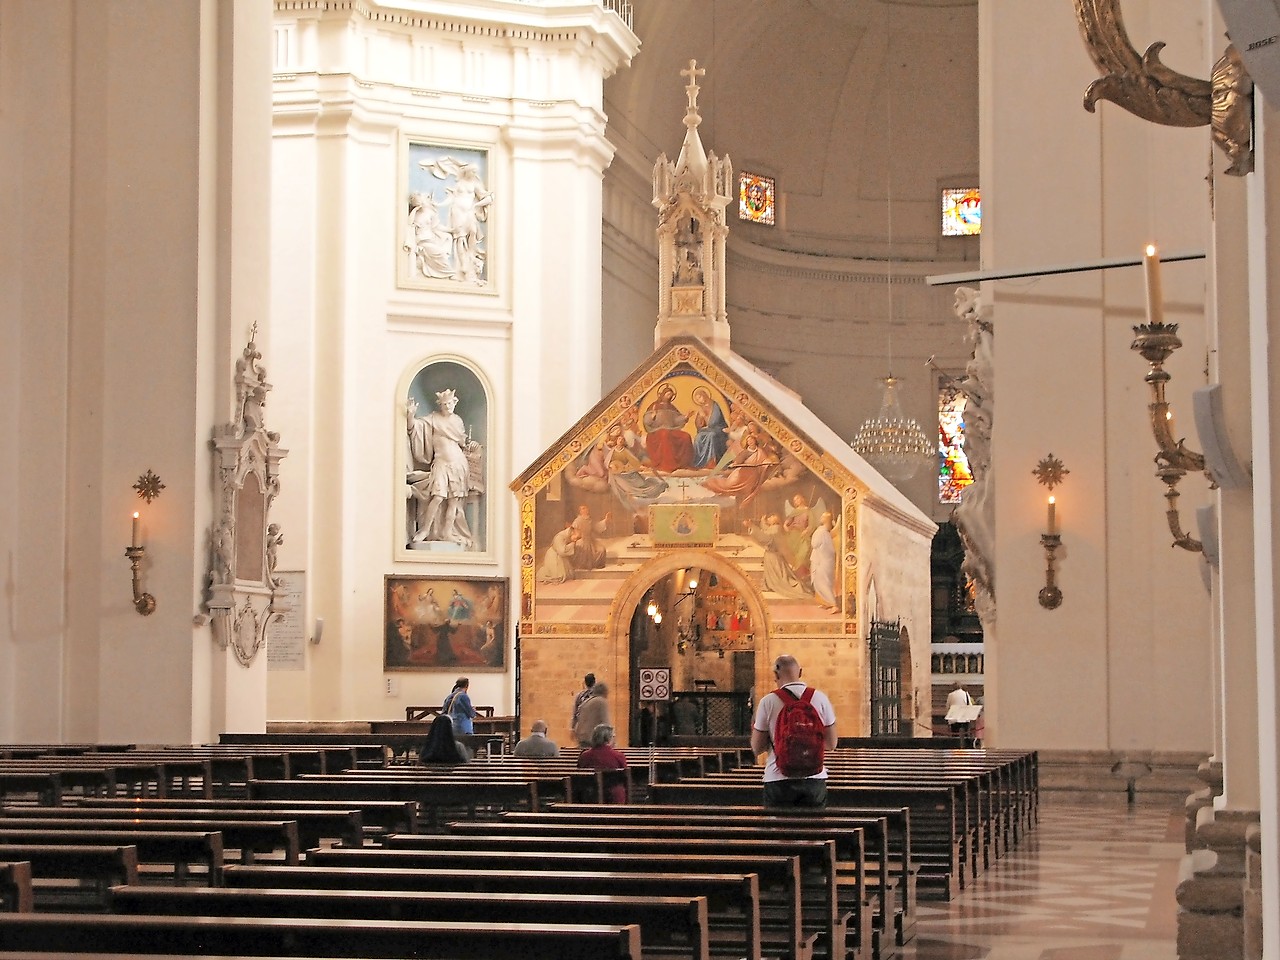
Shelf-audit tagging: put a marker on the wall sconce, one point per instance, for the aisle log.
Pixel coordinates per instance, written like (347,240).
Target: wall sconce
(148,487)
(1156,341)
(1049,472)
(144,603)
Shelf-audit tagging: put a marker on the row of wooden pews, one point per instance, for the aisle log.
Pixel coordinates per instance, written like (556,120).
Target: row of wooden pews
(520,856)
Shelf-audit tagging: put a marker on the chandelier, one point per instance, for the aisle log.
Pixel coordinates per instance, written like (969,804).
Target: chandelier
(893,443)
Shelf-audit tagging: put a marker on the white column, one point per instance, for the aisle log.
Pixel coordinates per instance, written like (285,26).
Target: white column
(1264,334)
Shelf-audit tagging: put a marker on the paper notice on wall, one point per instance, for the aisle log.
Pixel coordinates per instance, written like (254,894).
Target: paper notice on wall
(287,634)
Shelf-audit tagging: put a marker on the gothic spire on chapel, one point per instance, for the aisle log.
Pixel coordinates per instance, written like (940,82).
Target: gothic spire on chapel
(691,195)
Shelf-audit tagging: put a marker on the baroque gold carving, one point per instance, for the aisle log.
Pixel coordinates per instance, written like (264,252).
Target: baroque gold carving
(1145,87)
(1156,342)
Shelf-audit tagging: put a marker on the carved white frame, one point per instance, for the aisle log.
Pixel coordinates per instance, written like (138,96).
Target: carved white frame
(401,552)
(242,583)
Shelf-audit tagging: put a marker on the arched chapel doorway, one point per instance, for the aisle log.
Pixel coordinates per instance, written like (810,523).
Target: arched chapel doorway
(699,615)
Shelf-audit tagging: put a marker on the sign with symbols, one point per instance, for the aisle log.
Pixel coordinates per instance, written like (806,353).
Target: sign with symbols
(655,683)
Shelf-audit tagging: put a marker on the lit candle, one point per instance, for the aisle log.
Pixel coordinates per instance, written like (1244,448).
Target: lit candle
(1155,297)
(135,529)
(1053,516)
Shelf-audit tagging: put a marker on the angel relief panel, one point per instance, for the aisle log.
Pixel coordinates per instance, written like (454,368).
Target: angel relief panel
(685,464)
(447,209)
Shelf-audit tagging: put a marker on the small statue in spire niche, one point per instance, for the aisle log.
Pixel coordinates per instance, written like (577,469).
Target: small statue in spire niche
(688,269)
(445,469)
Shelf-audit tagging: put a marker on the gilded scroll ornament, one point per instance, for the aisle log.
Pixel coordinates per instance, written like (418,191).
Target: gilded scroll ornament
(1145,87)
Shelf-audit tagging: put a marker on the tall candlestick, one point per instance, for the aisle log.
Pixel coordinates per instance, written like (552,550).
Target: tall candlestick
(1053,517)
(1155,296)
(135,530)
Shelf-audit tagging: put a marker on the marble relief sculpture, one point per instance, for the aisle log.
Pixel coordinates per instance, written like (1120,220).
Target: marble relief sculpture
(975,517)
(445,469)
(445,235)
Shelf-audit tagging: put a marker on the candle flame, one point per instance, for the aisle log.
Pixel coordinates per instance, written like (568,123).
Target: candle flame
(135,514)
(1052,500)
(1151,249)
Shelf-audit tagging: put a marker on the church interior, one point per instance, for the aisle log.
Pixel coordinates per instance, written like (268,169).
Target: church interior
(355,347)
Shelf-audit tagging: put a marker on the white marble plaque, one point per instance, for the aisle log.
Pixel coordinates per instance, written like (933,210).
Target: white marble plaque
(287,636)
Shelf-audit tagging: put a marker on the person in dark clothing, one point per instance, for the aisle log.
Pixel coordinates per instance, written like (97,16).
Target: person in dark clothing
(441,745)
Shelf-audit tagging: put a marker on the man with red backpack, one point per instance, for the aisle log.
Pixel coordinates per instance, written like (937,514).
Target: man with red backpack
(796,725)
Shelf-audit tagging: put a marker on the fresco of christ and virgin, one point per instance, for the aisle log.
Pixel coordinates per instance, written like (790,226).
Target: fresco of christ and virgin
(685,465)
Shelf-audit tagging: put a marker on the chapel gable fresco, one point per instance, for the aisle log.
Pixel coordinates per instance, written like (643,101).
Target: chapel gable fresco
(684,456)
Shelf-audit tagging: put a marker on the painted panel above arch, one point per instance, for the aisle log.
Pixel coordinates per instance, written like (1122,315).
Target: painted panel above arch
(685,455)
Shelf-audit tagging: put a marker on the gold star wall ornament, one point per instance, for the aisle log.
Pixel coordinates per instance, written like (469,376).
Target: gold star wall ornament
(148,486)
(1050,471)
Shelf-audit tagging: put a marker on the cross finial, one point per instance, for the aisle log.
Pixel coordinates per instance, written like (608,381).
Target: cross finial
(693,72)
(253,332)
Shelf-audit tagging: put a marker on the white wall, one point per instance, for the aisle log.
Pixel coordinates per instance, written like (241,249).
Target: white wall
(1128,649)
(349,93)
(122,285)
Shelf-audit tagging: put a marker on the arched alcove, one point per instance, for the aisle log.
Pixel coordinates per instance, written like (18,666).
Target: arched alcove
(418,402)
(633,592)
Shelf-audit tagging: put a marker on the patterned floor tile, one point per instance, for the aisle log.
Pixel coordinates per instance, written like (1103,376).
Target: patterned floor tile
(1093,881)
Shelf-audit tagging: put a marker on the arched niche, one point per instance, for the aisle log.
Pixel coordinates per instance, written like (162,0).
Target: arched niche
(633,590)
(425,435)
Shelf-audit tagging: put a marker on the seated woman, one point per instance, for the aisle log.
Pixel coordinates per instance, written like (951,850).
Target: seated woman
(441,746)
(602,755)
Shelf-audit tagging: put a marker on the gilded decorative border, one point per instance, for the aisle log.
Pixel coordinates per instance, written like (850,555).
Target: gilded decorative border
(688,352)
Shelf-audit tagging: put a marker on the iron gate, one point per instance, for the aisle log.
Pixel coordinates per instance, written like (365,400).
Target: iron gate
(885,642)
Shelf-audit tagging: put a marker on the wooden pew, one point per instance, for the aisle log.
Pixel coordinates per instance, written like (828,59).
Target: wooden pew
(250,837)
(16,892)
(178,849)
(862,848)
(312,826)
(733,899)
(431,795)
(390,816)
(935,837)
(96,867)
(822,911)
(890,878)
(779,877)
(309,937)
(671,927)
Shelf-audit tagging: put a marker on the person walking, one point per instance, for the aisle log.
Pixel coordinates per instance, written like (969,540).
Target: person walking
(584,694)
(457,706)
(594,711)
(796,724)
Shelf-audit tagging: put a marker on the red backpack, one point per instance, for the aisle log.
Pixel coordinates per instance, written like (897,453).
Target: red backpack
(799,735)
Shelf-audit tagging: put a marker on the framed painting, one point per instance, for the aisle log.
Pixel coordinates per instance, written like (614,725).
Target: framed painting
(445,623)
(446,209)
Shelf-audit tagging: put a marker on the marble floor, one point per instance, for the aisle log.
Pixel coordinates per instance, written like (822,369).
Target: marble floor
(1093,881)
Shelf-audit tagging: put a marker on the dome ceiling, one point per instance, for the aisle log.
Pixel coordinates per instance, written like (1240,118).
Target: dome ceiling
(843,101)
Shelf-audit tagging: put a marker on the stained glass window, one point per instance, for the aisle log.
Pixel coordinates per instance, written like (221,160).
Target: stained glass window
(755,198)
(961,212)
(953,462)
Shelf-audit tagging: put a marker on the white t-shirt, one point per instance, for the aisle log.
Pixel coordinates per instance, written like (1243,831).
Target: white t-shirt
(767,716)
(958,698)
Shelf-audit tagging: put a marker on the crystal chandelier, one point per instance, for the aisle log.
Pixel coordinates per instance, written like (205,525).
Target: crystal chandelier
(893,443)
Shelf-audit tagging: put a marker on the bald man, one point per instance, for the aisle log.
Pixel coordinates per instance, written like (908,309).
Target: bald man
(781,791)
(536,745)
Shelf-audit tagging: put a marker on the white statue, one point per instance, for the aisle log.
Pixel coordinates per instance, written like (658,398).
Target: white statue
(444,470)
(469,204)
(975,517)
(427,242)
